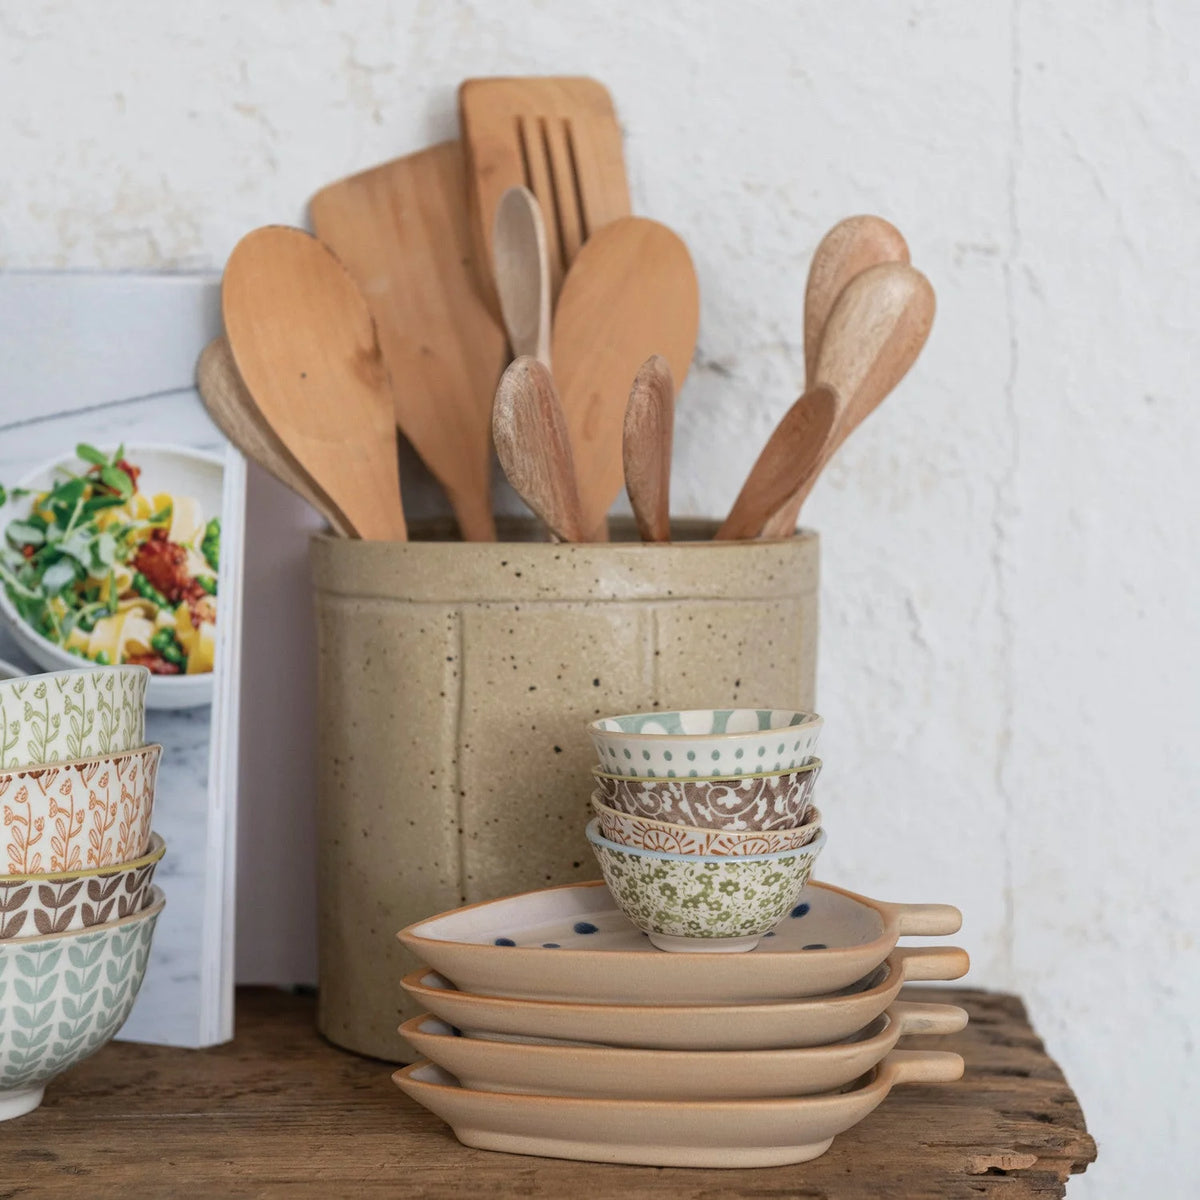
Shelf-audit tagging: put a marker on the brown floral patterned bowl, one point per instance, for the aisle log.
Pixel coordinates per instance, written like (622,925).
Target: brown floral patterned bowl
(64,901)
(646,833)
(748,802)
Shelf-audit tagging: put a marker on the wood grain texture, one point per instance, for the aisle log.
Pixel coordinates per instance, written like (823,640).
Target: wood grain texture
(305,346)
(847,250)
(646,443)
(557,136)
(232,410)
(281,1113)
(535,449)
(403,232)
(631,293)
(522,274)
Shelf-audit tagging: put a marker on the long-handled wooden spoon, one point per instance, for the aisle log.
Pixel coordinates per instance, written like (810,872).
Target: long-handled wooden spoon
(784,466)
(522,272)
(305,347)
(232,410)
(534,448)
(649,432)
(847,250)
(874,334)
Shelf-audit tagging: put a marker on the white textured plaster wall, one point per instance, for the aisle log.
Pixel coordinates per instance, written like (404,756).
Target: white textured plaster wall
(1010,649)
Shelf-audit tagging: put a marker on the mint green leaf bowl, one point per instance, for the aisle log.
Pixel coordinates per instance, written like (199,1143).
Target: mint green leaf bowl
(706,903)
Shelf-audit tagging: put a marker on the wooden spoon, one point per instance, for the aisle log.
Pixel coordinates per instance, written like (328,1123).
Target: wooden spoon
(233,412)
(631,292)
(847,250)
(305,346)
(874,334)
(522,272)
(646,448)
(784,466)
(534,448)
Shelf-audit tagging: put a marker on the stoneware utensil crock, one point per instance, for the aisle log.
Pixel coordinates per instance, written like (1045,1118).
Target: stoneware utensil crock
(705,742)
(518,946)
(628,830)
(94,812)
(774,1024)
(561,1069)
(771,801)
(67,994)
(454,684)
(703,903)
(67,715)
(64,901)
(667,1133)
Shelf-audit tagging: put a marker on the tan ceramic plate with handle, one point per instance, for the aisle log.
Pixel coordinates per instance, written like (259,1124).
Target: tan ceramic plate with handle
(667,1133)
(573,943)
(567,1069)
(778,1024)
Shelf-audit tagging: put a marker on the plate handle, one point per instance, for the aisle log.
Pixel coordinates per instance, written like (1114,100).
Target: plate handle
(921,1066)
(925,920)
(932,962)
(914,1017)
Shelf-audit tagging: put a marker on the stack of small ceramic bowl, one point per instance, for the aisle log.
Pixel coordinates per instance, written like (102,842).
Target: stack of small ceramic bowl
(77,906)
(705,828)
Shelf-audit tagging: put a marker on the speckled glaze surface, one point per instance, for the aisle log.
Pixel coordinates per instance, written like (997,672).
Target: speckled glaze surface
(648,834)
(705,898)
(705,741)
(63,901)
(775,801)
(455,684)
(66,715)
(75,815)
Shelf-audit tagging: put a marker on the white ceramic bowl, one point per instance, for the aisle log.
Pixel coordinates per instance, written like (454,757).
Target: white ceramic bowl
(177,469)
(705,742)
(66,995)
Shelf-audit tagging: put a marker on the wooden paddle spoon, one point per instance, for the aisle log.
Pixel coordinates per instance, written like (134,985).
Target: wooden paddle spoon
(305,347)
(630,293)
(534,448)
(874,334)
(784,466)
(522,272)
(646,448)
(232,410)
(847,250)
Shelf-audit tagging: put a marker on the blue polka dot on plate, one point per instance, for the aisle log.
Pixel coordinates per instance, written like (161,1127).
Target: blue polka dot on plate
(800,910)
(505,942)
(585,927)
(550,946)
(771,934)
(815,946)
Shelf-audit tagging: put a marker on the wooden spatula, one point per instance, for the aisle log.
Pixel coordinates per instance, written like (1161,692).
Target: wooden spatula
(630,293)
(522,272)
(556,136)
(232,410)
(533,447)
(305,347)
(402,231)
(648,435)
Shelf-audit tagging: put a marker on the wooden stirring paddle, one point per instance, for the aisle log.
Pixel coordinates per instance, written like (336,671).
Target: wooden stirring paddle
(522,273)
(305,347)
(648,435)
(534,448)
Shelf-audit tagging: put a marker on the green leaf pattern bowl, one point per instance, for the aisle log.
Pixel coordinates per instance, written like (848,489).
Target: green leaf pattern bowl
(64,996)
(687,902)
(68,715)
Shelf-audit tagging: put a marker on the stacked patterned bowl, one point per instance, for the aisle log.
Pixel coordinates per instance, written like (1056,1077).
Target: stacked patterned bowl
(77,855)
(705,828)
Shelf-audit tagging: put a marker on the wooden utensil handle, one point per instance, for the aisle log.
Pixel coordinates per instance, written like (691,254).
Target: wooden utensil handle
(921,1066)
(915,1017)
(927,920)
(932,962)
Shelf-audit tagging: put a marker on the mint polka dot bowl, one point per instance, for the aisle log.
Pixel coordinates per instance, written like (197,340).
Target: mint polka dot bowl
(707,903)
(704,742)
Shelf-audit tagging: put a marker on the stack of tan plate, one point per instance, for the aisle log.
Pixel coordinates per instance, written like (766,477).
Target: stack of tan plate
(556,1028)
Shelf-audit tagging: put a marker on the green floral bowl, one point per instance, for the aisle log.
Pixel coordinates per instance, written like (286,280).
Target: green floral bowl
(62,997)
(705,903)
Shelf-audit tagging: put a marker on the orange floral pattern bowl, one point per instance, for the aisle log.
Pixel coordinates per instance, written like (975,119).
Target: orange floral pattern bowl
(72,816)
(628,829)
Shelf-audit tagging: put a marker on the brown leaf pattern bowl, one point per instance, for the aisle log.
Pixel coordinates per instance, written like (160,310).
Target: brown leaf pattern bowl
(64,901)
(748,802)
(649,834)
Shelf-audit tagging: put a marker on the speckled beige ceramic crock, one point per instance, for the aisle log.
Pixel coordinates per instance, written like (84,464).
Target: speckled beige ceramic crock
(455,683)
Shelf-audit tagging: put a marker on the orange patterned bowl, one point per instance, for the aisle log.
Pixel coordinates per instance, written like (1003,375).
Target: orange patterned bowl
(646,833)
(69,816)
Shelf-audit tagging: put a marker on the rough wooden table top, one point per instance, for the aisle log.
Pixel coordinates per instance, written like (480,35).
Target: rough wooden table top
(279,1112)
